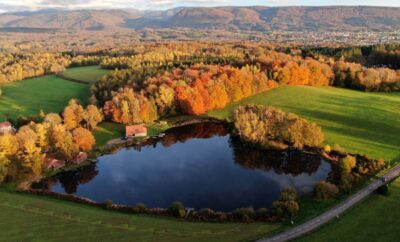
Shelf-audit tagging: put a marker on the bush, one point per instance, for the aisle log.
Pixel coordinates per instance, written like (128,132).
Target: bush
(262,213)
(177,209)
(338,149)
(207,212)
(244,214)
(139,208)
(108,203)
(325,190)
(383,190)
(327,148)
(348,163)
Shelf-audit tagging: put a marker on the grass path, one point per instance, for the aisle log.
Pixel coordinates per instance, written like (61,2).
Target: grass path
(49,93)
(365,123)
(33,218)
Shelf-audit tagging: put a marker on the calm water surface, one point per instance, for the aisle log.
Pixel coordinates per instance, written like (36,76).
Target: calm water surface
(199,165)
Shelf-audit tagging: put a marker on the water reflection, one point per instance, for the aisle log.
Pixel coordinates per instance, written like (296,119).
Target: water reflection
(199,165)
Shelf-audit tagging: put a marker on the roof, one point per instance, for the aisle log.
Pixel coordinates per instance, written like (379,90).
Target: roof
(50,162)
(5,124)
(135,129)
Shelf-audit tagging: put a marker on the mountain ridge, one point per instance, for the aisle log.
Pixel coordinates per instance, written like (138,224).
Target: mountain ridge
(255,18)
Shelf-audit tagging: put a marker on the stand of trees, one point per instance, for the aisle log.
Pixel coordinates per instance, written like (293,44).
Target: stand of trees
(22,154)
(193,91)
(354,76)
(272,128)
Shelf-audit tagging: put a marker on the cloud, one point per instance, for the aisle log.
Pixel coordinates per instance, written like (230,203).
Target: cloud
(22,5)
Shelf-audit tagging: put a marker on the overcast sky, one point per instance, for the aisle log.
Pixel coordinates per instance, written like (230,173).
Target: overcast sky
(18,5)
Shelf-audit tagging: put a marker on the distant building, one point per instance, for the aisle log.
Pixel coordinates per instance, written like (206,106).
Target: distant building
(135,131)
(79,158)
(52,163)
(6,128)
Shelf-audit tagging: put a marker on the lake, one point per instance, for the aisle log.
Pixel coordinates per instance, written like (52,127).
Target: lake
(200,165)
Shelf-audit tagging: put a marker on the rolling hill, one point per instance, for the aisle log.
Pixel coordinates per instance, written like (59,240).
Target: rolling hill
(337,18)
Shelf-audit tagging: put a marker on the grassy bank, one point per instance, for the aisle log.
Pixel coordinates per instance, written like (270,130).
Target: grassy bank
(87,74)
(365,123)
(33,218)
(49,93)
(375,219)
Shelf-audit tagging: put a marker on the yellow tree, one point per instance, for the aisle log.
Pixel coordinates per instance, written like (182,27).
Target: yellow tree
(92,117)
(29,153)
(8,148)
(73,115)
(83,138)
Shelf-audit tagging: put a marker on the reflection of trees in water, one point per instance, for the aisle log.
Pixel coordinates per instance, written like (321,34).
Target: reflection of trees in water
(184,133)
(70,180)
(282,162)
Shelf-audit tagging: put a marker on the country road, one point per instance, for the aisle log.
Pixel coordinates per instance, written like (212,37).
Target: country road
(302,229)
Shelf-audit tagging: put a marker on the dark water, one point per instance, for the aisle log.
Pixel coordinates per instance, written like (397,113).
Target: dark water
(199,165)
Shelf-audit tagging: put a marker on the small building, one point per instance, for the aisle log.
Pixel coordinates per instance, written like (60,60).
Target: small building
(135,131)
(53,163)
(6,128)
(79,158)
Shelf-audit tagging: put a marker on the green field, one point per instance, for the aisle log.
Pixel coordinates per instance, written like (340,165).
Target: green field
(87,74)
(376,219)
(49,93)
(107,131)
(34,218)
(364,123)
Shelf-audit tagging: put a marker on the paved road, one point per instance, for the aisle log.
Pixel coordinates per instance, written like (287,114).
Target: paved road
(334,212)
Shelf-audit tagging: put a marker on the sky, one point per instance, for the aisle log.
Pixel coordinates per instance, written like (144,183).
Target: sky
(29,5)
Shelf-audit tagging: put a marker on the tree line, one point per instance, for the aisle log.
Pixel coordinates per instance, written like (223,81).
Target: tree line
(16,67)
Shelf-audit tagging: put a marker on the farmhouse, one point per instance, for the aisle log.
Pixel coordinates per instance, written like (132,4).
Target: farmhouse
(52,163)
(6,128)
(135,131)
(79,158)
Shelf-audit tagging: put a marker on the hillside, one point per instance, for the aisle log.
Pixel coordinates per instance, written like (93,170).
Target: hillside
(337,18)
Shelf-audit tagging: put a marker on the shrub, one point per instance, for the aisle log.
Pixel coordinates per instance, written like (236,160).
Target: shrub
(139,208)
(383,190)
(348,163)
(207,212)
(327,148)
(244,214)
(108,203)
(262,213)
(325,190)
(177,209)
(338,149)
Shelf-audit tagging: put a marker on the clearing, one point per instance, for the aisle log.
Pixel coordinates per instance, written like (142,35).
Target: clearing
(49,93)
(86,74)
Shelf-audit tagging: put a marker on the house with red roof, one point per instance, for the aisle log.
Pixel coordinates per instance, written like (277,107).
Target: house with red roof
(6,128)
(79,158)
(135,131)
(53,163)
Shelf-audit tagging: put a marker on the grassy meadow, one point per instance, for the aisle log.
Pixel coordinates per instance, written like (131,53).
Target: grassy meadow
(87,74)
(49,93)
(34,218)
(365,123)
(375,219)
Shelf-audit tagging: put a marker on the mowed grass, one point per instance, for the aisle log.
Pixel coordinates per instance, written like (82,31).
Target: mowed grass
(107,131)
(33,218)
(364,123)
(49,93)
(87,74)
(376,219)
